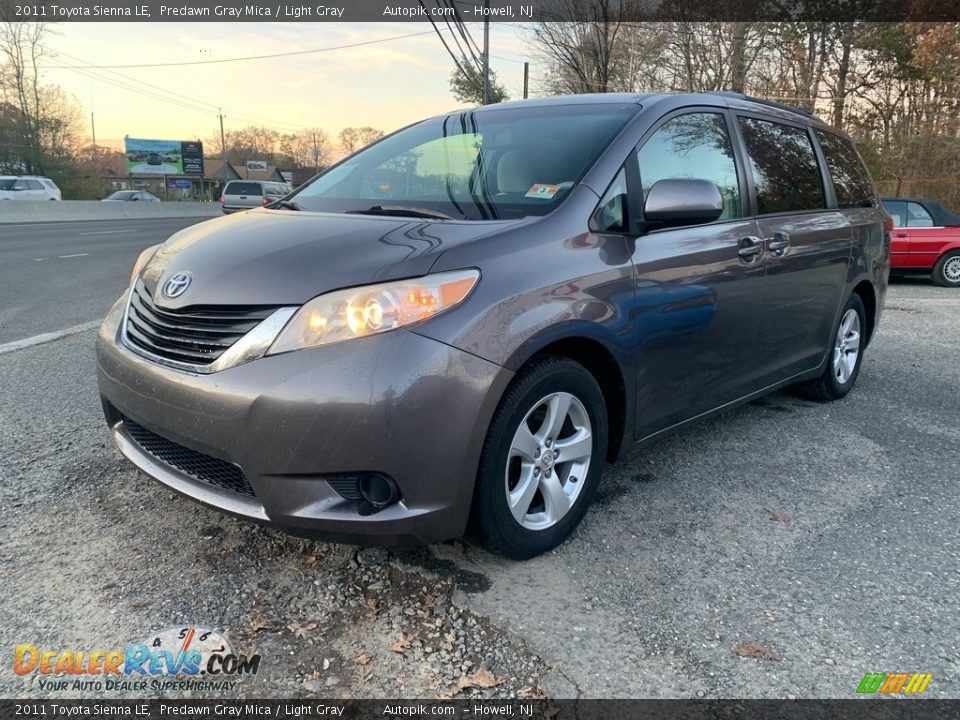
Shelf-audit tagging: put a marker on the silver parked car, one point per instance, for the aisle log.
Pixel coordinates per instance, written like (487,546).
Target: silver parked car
(246,194)
(464,321)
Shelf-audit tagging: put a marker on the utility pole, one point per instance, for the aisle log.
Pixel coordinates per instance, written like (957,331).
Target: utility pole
(526,79)
(486,53)
(93,132)
(316,154)
(223,146)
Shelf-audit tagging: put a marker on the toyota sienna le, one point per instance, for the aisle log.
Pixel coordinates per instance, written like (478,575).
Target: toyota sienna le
(461,323)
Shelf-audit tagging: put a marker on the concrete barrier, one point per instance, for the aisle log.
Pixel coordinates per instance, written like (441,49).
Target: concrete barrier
(13,211)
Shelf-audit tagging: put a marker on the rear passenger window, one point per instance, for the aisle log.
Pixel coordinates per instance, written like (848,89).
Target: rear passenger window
(34,185)
(851,182)
(243,188)
(785,170)
(917,216)
(697,146)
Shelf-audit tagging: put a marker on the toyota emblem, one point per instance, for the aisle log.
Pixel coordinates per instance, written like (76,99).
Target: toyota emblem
(177,285)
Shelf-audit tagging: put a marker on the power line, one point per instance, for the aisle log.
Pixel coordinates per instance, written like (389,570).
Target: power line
(154,91)
(252,57)
(456,60)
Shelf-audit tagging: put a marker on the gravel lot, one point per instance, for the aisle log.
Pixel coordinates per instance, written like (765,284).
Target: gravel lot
(822,540)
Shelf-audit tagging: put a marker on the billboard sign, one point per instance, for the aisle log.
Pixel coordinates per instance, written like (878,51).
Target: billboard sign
(256,164)
(178,183)
(163,157)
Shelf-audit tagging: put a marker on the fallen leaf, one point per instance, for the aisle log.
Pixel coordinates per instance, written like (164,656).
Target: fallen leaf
(363,658)
(311,561)
(528,692)
(482,678)
(258,623)
(300,631)
(755,650)
(402,643)
(778,516)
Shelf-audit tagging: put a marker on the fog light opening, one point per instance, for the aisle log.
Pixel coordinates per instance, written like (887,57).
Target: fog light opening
(378,490)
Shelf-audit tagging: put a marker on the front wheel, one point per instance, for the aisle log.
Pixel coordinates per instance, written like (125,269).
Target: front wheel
(843,365)
(542,459)
(947,270)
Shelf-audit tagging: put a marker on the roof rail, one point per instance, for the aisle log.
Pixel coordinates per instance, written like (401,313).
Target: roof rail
(761,101)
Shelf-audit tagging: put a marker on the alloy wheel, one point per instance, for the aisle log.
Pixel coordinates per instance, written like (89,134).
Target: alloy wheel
(548,461)
(846,347)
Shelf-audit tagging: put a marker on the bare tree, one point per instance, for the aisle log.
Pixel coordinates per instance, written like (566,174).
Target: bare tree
(354,138)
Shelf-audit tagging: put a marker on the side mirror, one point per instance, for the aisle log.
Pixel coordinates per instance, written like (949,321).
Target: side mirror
(683,201)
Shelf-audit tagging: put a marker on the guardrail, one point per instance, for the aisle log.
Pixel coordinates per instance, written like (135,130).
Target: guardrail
(16,211)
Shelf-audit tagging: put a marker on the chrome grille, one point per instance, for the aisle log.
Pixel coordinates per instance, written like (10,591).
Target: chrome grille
(197,335)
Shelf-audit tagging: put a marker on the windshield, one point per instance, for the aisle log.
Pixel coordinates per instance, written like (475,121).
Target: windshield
(121,195)
(497,163)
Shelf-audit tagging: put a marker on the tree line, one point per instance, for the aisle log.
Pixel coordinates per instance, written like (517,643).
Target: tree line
(894,87)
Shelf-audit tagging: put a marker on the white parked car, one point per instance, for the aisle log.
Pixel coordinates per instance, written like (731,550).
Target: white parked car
(28,187)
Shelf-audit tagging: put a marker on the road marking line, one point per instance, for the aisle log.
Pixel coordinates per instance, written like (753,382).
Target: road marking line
(39,259)
(47,337)
(109,232)
(74,255)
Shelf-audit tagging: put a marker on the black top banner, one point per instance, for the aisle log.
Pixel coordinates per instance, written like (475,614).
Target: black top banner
(515,11)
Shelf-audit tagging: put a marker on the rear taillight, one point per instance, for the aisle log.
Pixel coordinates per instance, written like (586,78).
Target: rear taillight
(223,200)
(888,224)
(266,201)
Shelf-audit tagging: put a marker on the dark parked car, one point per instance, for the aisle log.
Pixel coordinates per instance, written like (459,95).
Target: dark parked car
(465,320)
(132,196)
(154,159)
(926,237)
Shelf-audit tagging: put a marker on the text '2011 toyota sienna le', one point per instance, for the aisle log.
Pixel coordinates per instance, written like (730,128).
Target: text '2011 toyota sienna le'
(464,321)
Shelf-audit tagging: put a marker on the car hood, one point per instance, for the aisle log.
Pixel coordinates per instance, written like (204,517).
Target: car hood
(283,257)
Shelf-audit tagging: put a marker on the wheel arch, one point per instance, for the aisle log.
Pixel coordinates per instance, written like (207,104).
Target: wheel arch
(608,366)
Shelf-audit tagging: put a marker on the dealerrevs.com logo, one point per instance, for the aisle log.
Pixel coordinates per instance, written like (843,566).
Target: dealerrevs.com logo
(894,683)
(190,658)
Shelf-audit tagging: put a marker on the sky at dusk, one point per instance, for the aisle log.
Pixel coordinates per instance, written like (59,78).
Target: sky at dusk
(384,85)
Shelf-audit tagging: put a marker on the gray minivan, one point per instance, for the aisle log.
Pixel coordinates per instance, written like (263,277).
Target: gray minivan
(246,194)
(461,323)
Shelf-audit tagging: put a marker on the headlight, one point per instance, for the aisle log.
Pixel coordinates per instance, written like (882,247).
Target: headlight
(144,258)
(358,312)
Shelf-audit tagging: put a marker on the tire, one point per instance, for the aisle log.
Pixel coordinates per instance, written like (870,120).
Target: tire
(519,454)
(946,272)
(846,356)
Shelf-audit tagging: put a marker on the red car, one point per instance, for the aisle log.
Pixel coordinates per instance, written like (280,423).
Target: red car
(926,236)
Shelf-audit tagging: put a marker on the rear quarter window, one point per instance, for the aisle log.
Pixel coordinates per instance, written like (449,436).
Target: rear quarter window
(243,188)
(851,181)
(785,169)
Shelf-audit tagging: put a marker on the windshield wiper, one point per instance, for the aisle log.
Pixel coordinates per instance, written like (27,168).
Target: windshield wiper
(287,204)
(400,211)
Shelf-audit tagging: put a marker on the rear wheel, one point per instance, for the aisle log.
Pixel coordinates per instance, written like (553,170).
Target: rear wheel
(947,270)
(843,366)
(542,460)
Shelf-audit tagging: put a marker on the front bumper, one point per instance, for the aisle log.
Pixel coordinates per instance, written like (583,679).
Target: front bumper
(397,403)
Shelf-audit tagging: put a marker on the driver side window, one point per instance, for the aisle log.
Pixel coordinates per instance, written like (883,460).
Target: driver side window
(695,145)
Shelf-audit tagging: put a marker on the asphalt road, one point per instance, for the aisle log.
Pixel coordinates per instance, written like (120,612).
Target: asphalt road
(825,534)
(57,275)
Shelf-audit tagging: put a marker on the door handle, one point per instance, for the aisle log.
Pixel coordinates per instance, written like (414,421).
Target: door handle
(750,249)
(779,244)
(901,235)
